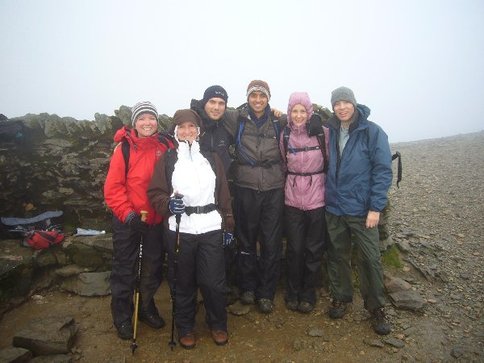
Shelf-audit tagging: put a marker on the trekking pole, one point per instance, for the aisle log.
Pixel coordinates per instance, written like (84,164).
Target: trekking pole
(144,216)
(172,342)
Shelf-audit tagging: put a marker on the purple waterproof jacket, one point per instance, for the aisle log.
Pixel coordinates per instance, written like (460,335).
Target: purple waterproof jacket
(305,192)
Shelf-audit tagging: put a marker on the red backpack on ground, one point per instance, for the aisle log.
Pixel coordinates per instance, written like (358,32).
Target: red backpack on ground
(40,240)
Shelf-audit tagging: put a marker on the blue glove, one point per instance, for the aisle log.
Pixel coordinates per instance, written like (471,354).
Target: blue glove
(228,239)
(176,206)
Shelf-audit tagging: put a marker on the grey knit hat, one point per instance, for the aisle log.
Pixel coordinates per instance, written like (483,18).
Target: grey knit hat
(142,107)
(342,94)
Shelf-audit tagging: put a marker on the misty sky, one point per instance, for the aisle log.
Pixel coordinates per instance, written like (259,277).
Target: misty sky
(418,64)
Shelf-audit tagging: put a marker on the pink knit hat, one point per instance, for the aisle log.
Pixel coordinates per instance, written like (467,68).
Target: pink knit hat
(299,98)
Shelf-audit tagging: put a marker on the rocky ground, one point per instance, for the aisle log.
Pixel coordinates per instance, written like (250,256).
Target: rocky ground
(437,223)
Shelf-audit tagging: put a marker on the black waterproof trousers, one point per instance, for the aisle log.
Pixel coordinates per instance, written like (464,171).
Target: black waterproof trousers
(125,269)
(258,218)
(199,263)
(305,233)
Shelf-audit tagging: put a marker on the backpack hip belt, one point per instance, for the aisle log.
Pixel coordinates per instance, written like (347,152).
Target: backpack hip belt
(305,174)
(200,209)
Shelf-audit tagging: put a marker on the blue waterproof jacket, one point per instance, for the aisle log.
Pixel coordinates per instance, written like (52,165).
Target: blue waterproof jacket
(358,180)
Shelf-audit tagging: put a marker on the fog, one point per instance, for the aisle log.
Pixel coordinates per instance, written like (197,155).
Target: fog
(416,64)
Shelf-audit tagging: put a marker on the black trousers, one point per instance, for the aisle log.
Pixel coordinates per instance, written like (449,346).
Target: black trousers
(305,233)
(199,264)
(258,217)
(125,269)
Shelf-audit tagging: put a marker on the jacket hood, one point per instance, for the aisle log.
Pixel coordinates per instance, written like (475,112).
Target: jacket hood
(123,133)
(130,135)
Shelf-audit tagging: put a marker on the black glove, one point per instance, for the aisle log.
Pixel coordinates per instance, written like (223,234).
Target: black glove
(176,205)
(136,224)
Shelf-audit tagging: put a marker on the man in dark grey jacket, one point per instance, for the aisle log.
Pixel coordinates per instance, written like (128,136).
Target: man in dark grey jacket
(258,195)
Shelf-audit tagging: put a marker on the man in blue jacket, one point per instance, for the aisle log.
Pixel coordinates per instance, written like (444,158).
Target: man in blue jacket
(358,179)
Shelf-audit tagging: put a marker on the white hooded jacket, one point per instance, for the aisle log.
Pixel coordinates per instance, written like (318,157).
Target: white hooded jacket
(194,178)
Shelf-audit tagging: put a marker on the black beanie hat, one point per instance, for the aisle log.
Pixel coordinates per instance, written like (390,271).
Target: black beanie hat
(214,92)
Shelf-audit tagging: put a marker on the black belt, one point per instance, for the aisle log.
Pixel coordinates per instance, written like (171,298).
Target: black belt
(200,209)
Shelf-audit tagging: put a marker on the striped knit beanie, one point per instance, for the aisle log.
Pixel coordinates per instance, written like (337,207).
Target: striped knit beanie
(260,86)
(142,107)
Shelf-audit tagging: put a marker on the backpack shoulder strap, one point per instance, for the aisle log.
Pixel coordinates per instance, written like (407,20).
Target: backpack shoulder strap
(125,150)
(277,128)
(322,147)
(239,131)
(398,156)
(285,140)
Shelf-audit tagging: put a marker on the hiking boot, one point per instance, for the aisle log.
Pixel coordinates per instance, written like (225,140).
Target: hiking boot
(153,320)
(247,298)
(220,337)
(337,309)
(292,305)
(125,330)
(379,322)
(188,341)
(265,306)
(305,307)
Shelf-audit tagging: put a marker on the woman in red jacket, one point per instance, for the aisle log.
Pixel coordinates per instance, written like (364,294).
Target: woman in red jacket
(125,188)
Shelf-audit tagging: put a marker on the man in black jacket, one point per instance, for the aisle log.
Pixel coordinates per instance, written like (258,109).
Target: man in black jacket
(211,109)
(215,138)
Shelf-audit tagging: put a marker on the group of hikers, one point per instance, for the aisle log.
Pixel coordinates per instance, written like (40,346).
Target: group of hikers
(240,179)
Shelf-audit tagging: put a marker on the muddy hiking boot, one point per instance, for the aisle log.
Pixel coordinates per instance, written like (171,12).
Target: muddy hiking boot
(188,341)
(220,337)
(338,309)
(247,298)
(125,330)
(379,322)
(153,320)
(305,307)
(292,305)
(265,306)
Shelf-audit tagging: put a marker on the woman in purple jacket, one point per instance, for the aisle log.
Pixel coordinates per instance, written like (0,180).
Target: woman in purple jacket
(304,157)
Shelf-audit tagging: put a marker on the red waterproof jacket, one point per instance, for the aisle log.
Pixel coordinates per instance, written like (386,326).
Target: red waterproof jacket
(126,192)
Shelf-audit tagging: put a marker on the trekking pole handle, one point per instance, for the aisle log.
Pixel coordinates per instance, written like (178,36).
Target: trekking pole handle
(178,216)
(144,215)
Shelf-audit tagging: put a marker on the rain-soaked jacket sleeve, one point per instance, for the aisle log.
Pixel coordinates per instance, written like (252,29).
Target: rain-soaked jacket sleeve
(115,191)
(160,190)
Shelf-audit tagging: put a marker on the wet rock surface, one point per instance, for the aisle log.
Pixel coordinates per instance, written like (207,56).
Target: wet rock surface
(47,336)
(437,224)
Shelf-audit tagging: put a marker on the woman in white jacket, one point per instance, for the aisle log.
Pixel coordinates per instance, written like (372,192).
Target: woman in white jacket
(192,184)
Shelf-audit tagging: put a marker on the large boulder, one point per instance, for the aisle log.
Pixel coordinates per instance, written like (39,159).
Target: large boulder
(47,336)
